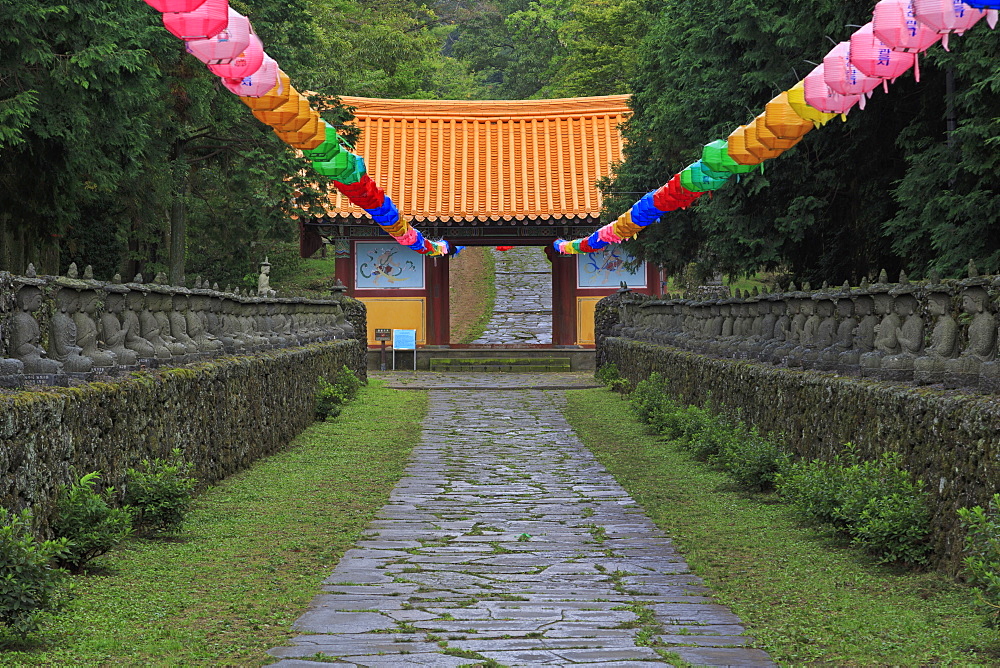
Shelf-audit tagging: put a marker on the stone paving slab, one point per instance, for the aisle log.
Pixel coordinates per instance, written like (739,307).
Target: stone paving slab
(506,540)
(522,311)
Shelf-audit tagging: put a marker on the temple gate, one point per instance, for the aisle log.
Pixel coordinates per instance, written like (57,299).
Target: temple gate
(479,173)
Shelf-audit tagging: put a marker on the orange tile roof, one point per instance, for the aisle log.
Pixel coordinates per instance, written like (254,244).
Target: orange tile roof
(471,160)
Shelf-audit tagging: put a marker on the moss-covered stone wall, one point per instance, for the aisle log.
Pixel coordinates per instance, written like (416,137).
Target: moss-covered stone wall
(950,440)
(224,415)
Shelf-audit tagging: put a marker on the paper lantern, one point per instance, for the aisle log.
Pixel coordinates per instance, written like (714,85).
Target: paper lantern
(875,58)
(256,84)
(330,146)
(894,22)
(297,122)
(309,135)
(755,146)
(226,45)
(783,121)
(695,179)
(206,20)
(163,6)
(244,64)
(272,99)
(715,156)
(283,113)
(821,97)
(737,148)
(843,77)
(797,101)
(768,138)
(342,163)
(946,17)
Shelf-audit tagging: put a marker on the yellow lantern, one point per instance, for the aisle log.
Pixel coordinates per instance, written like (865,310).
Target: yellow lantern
(309,136)
(768,138)
(297,122)
(781,119)
(282,113)
(797,101)
(274,97)
(737,148)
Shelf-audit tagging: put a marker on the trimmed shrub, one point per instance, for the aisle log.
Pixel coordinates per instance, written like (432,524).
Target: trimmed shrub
(30,587)
(982,560)
(752,461)
(91,526)
(330,396)
(161,493)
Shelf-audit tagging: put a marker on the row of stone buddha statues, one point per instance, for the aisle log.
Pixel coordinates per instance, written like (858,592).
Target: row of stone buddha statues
(933,332)
(60,328)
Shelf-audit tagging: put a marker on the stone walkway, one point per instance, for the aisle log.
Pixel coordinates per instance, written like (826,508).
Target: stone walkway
(507,542)
(522,312)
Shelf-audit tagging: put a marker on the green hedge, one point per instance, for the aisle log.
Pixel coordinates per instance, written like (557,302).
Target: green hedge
(223,415)
(950,440)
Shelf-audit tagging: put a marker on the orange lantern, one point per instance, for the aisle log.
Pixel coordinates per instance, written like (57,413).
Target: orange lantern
(737,148)
(297,122)
(283,113)
(272,99)
(309,136)
(768,138)
(782,120)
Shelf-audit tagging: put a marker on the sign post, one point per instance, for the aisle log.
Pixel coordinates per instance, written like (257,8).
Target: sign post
(404,339)
(383,335)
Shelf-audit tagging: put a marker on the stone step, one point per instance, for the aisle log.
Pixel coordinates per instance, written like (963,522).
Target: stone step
(522,365)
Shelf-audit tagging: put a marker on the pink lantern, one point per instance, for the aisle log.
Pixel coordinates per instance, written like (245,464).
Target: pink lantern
(207,20)
(946,16)
(244,64)
(821,97)
(843,77)
(895,24)
(874,58)
(258,83)
(174,5)
(225,46)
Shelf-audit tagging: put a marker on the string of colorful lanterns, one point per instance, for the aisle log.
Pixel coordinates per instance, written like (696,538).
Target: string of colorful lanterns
(224,40)
(876,54)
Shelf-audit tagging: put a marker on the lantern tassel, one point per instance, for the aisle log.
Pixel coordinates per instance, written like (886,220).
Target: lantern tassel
(991,18)
(916,67)
(944,42)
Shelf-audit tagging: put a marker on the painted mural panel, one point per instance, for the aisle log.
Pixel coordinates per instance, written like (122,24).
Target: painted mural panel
(606,269)
(386,266)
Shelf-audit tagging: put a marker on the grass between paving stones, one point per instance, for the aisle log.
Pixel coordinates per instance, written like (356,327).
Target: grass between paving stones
(250,558)
(489,287)
(801,594)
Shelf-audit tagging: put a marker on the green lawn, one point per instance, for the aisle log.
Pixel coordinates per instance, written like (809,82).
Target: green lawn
(805,597)
(251,556)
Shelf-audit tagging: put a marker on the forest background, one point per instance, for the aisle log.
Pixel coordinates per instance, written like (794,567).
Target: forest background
(121,151)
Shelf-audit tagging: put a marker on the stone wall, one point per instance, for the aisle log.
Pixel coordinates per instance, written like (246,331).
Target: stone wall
(949,439)
(223,414)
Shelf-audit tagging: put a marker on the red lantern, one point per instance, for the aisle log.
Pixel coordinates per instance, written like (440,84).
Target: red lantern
(843,77)
(174,5)
(225,46)
(243,65)
(946,16)
(504,248)
(207,20)
(258,83)
(875,58)
(821,97)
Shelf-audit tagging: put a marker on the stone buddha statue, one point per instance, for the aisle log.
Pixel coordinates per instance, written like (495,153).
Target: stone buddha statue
(843,338)
(909,337)
(885,335)
(143,304)
(864,334)
(929,367)
(806,333)
(826,331)
(782,322)
(26,334)
(88,335)
(980,347)
(176,308)
(793,329)
(63,345)
(197,326)
(114,332)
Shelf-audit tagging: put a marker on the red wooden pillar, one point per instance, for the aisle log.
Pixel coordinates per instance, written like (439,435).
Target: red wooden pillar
(563,297)
(438,313)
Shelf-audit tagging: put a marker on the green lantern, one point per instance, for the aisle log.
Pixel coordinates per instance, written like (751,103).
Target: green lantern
(716,157)
(341,164)
(330,147)
(695,179)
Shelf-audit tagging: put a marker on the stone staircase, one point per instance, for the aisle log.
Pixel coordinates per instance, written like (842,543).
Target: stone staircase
(509,364)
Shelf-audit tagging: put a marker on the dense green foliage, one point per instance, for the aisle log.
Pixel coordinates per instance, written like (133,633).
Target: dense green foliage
(29,585)
(90,525)
(160,492)
(982,562)
(890,188)
(332,395)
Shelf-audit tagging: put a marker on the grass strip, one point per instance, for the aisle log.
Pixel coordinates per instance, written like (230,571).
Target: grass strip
(251,556)
(804,596)
(489,290)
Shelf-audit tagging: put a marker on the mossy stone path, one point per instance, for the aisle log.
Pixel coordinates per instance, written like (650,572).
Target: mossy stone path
(507,541)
